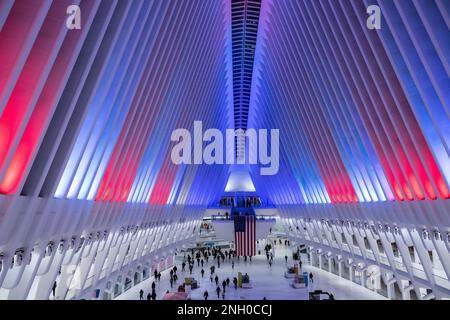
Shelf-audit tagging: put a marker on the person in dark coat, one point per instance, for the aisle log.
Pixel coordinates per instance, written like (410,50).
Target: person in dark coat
(217,280)
(224,284)
(149,296)
(235,282)
(183,265)
(202,272)
(141,294)
(205,295)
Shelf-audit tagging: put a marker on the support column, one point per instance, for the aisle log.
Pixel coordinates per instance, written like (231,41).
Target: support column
(340,268)
(320,261)
(390,287)
(330,267)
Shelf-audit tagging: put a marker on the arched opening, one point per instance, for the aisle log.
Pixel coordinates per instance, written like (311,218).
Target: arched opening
(137,278)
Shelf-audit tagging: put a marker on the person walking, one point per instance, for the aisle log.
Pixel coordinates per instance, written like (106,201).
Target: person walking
(141,294)
(149,296)
(224,284)
(153,285)
(232,264)
(183,265)
(153,295)
(171,282)
(156,274)
(311,277)
(235,282)
(211,278)
(202,272)
(201,262)
(159,276)
(228,282)
(205,295)
(218,292)
(285,258)
(217,280)
(190,269)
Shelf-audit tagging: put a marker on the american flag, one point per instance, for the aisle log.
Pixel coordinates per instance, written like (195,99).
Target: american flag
(245,235)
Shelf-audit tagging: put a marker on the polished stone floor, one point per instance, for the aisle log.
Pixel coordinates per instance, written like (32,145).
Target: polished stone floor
(266,282)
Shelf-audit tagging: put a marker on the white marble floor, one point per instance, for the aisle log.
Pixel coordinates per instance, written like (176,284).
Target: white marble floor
(266,282)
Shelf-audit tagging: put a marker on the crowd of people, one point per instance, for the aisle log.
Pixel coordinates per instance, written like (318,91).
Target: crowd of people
(218,257)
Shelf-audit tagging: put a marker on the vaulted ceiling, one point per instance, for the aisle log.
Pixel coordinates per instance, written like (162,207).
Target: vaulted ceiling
(364,114)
